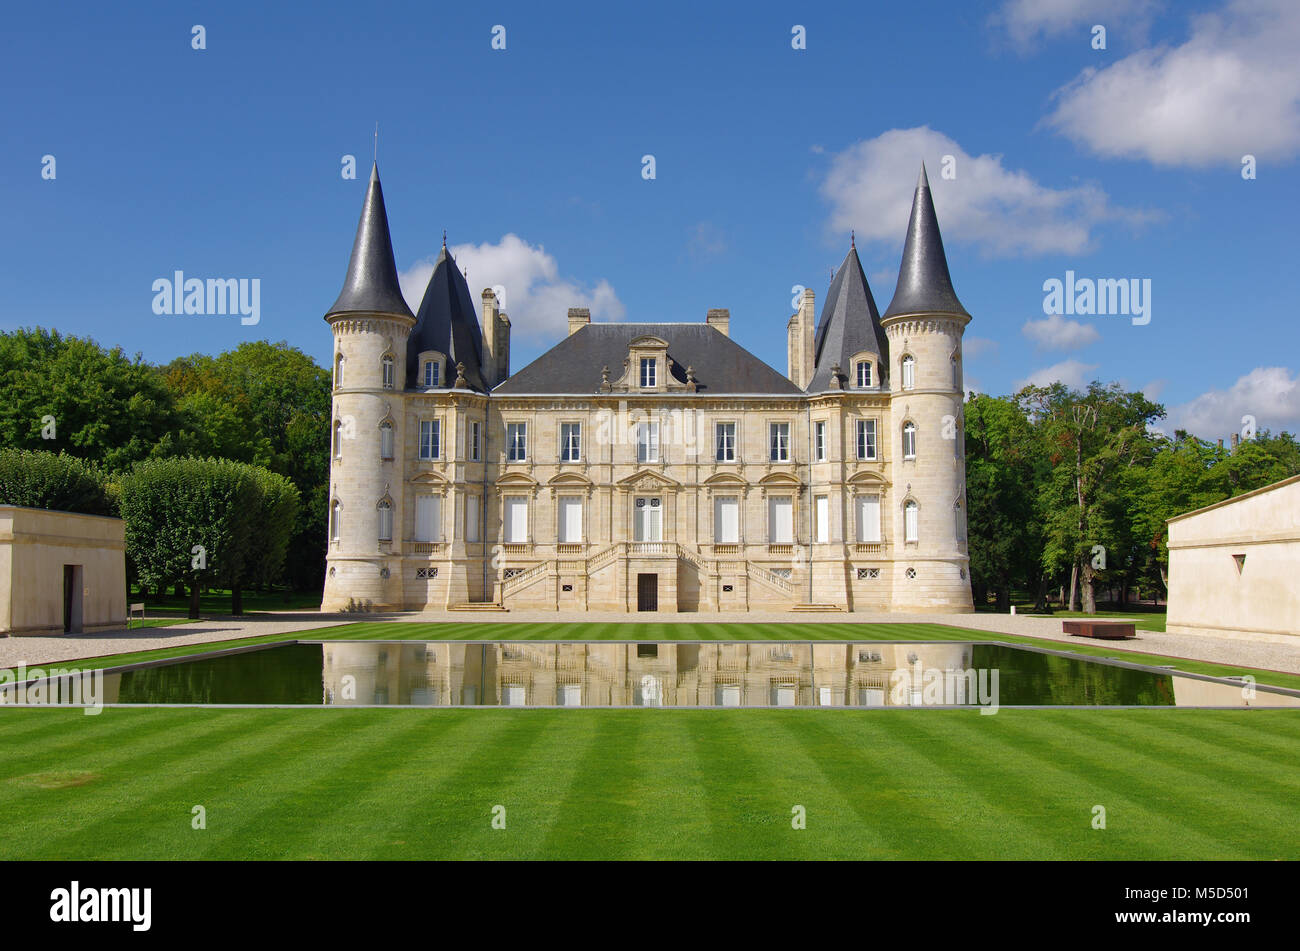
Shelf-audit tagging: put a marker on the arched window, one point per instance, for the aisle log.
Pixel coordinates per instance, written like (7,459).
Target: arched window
(336,519)
(338,370)
(338,439)
(956,373)
(909,372)
(910,520)
(909,440)
(385,440)
(385,521)
(390,374)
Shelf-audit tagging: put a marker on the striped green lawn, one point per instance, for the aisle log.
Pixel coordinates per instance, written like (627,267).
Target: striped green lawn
(420,783)
(669,631)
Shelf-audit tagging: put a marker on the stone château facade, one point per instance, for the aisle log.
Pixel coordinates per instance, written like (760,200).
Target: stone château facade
(652,467)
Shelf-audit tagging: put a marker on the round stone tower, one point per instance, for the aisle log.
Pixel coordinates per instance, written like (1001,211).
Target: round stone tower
(924,323)
(371,323)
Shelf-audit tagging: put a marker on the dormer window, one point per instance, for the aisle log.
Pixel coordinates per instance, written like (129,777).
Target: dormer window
(864,374)
(432,373)
(649,373)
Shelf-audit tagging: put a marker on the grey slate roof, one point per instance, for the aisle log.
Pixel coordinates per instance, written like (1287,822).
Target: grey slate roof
(574,364)
(924,286)
(849,324)
(447,323)
(371,285)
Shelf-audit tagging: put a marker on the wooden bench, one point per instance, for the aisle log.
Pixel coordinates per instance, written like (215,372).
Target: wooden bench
(1103,630)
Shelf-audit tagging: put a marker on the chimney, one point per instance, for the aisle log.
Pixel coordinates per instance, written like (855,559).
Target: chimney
(1220,443)
(720,319)
(491,318)
(1234,442)
(799,344)
(579,317)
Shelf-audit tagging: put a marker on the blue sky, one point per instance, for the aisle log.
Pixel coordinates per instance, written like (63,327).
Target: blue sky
(1116,163)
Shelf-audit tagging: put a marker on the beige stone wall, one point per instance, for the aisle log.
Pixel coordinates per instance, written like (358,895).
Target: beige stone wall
(694,572)
(35,545)
(1233,566)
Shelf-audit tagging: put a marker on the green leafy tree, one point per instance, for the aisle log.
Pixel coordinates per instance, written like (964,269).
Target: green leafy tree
(70,394)
(1003,468)
(1090,438)
(188,520)
(47,480)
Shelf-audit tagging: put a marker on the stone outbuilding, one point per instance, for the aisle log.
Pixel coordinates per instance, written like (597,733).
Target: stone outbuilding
(1233,565)
(60,571)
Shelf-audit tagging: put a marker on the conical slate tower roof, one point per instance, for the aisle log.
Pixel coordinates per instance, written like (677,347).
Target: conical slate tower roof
(849,325)
(924,286)
(371,285)
(447,323)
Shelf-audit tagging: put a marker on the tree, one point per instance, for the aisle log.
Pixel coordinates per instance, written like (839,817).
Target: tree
(1003,468)
(188,520)
(47,480)
(1090,438)
(70,394)
(274,519)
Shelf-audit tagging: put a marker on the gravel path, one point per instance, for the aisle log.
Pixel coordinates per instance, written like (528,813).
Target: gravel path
(1271,653)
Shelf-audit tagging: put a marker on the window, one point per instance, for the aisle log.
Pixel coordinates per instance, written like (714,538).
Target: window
(910,513)
(570,442)
(726,520)
(647,520)
(909,372)
(389,371)
(472,511)
(430,438)
(780,521)
(649,367)
(515,522)
(336,519)
(428,518)
(338,370)
(338,439)
(647,442)
(909,440)
(516,442)
(866,439)
(385,521)
(819,441)
(868,519)
(726,441)
(432,372)
(570,520)
(780,442)
(956,374)
(475,429)
(385,440)
(864,373)
(822,518)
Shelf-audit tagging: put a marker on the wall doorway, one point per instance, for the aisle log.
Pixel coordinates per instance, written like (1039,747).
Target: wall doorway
(647,592)
(72,601)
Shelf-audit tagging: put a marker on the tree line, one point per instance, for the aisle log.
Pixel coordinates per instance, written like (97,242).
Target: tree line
(263,405)
(1070,490)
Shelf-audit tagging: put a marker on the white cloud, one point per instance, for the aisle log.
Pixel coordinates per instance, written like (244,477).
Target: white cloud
(1072,373)
(869,187)
(1233,88)
(706,240)
(537,298)
(1027,20)
(972,348)
(1270,394)
(1057,333)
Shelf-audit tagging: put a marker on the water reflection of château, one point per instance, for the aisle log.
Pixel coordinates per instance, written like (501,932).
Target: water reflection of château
(630,674)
